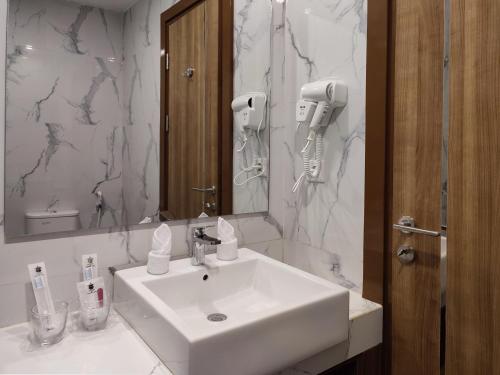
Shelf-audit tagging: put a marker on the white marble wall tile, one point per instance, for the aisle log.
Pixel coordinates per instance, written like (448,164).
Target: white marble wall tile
(252,73)
(324,222)
(64,113)
(273,249)
(324,263)
(141,150)
(278,124)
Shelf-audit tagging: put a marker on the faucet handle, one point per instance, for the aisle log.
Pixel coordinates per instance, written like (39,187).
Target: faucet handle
(200,242)
(201,237)
(198,232)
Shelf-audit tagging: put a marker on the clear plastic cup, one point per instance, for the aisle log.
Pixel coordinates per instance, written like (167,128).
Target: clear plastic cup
(92,317)
(48,329)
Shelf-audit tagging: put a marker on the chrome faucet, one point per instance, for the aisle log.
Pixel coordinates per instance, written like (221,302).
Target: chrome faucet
(201,241)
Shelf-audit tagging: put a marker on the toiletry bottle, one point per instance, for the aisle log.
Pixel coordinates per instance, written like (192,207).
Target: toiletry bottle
(43,297)
(89,266)
(91,302)
(91,293)
(41,288)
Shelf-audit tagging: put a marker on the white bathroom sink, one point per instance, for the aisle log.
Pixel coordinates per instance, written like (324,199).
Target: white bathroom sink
(276,315)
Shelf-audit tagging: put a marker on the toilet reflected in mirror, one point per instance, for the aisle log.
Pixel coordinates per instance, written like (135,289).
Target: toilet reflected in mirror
(40,222)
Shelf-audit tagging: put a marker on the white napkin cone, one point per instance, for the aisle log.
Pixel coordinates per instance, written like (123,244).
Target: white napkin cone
(228,248)
(161,247)
(162,240)
(225,231)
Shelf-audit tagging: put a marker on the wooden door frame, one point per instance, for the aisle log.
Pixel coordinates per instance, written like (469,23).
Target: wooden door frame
(378,168)
(225,93)
(376,154)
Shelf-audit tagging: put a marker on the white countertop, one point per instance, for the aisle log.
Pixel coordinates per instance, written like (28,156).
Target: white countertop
(114,350)
(119,350)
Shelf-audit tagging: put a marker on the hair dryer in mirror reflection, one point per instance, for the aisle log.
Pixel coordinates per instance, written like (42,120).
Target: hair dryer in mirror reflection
(250,113)
(318,100)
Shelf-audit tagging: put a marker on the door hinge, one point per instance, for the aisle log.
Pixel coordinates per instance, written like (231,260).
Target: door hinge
(167,62)
(166,124)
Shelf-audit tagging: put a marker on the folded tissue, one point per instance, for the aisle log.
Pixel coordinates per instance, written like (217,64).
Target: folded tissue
(228,248)
(161,249)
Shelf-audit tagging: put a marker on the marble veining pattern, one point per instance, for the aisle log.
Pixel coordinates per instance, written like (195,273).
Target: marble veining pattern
(71,35)
(12,59)
(54,141)
(102,13)
(323,223)
(56,87)
(20,186)
(141,36)
(36,112)
(277,119)
(85,106)
(252,73)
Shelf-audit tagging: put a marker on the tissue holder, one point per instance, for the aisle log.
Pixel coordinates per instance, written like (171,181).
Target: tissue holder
(158,264)
(228,250)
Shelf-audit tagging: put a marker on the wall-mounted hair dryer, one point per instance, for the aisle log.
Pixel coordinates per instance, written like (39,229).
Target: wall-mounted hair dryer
(250,112)
(317,102)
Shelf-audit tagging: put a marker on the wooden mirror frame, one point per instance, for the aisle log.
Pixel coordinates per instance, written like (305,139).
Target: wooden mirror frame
(377,112)
(377,170)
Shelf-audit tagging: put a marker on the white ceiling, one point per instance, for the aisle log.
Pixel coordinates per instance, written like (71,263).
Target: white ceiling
(117,5)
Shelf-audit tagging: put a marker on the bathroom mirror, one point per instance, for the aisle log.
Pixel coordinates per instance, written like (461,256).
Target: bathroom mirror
(115,114)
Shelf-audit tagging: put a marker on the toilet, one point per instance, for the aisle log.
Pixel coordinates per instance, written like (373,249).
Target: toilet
(39,222)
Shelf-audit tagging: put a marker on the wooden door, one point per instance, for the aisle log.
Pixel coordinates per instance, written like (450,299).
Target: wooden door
(192,109)
(414,288)
(473,272)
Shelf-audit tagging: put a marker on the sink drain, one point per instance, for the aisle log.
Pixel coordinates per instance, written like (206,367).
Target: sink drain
(217,317)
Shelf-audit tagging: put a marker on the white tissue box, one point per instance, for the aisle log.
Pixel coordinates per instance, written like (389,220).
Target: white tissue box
(158,264)
(228,250)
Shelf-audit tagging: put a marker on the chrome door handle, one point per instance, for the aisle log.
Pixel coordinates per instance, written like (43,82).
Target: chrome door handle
(189,72)
(406,225)
(212,190)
